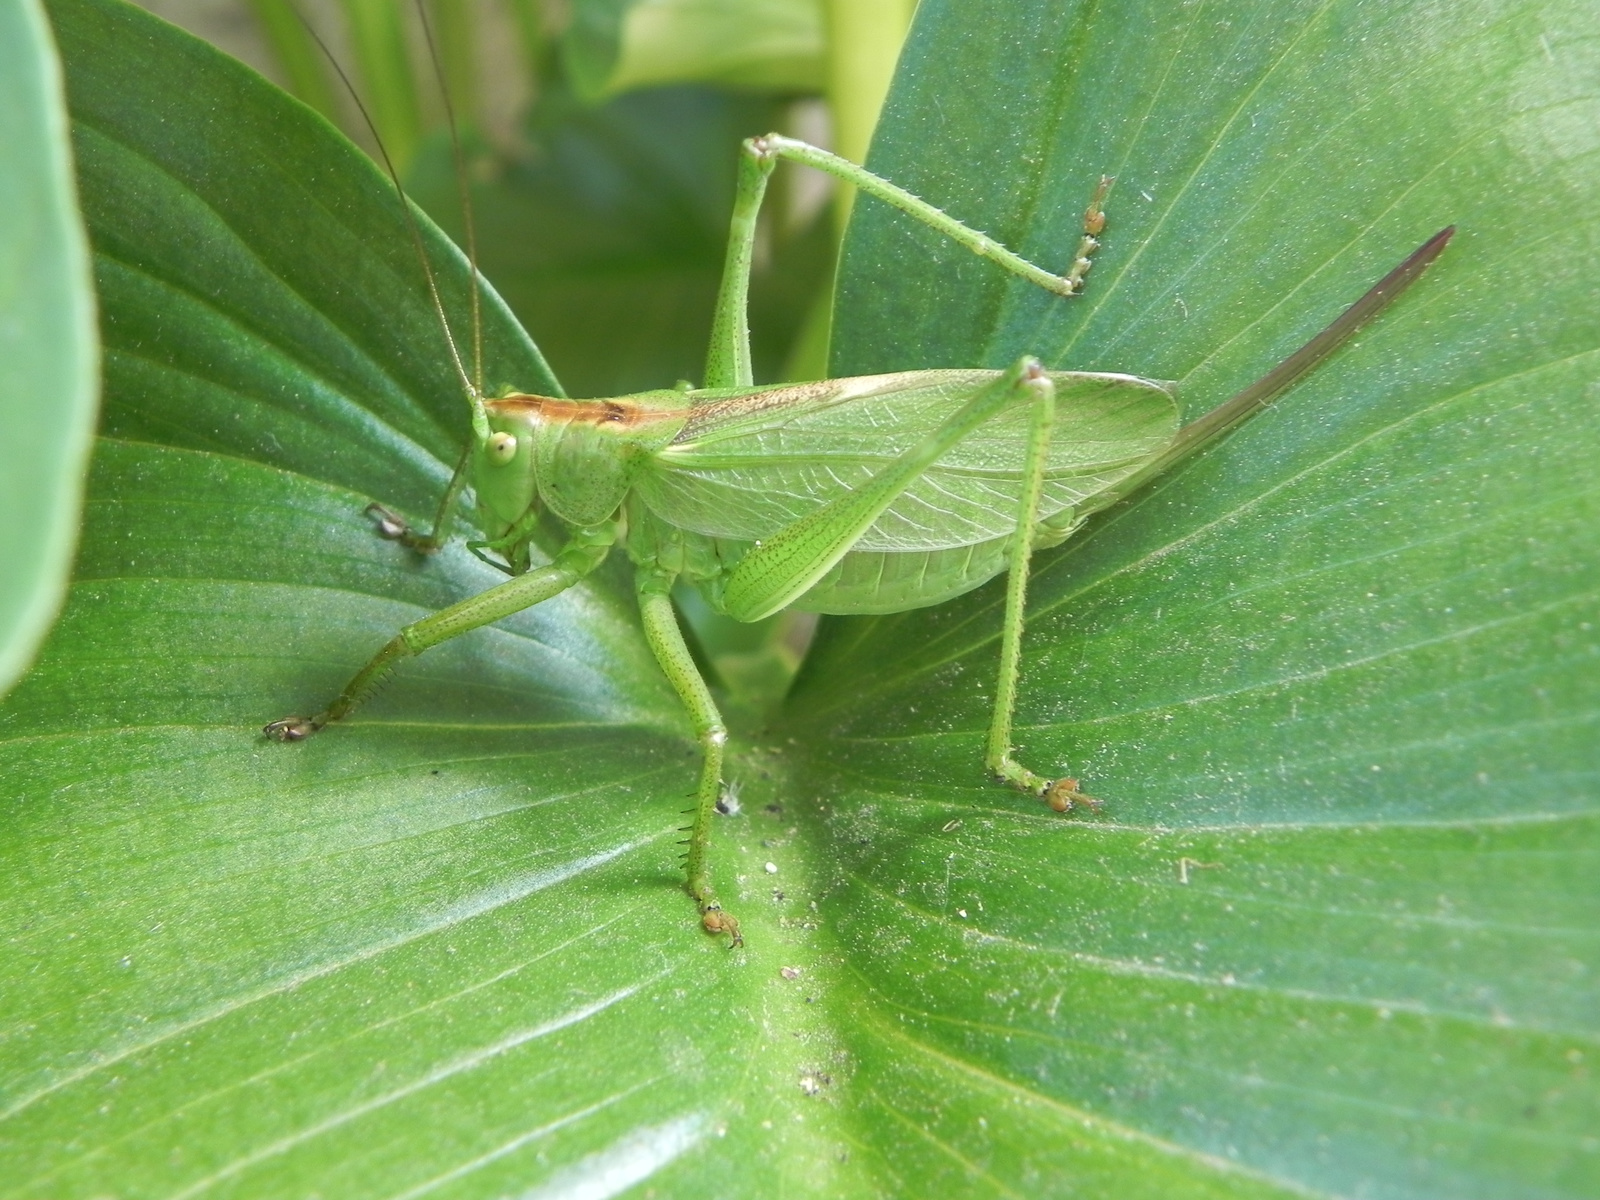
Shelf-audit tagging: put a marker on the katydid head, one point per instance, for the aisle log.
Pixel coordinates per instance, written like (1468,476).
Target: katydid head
(503,473)
(578,457)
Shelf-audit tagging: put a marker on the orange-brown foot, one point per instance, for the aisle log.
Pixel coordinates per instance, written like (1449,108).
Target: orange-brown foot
(1063,796)
(716,921)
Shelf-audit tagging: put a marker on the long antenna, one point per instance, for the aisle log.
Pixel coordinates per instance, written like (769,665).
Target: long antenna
(462,191)
(473,392)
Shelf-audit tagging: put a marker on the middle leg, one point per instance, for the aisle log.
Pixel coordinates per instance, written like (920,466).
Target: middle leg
(581,555)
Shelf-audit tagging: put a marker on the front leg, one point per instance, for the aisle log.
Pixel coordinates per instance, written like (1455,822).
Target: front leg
(578,557)
(666,641)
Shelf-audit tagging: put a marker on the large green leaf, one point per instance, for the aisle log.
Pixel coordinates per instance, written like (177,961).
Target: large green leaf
(48,371)
(1348,661)
(441,951)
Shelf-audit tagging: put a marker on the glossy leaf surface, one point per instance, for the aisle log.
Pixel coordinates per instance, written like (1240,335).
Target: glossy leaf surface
(1336,680)
(440,951)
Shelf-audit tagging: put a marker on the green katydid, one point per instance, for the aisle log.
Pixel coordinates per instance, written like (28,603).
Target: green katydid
(865,495)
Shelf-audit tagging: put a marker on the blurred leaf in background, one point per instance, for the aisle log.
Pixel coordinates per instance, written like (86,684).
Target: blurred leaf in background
(606,233)
(49,368)
(613,46)
(600,135)
(562,109)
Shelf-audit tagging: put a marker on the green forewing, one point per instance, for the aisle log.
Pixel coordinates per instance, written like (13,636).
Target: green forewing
(747,465)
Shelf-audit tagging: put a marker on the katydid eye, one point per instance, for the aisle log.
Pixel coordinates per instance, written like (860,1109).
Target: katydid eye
(501,448)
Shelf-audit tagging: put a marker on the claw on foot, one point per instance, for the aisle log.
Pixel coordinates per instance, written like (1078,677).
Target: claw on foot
(291,729)
(1094,217)
(390,524)
(1063,795)
(716,921)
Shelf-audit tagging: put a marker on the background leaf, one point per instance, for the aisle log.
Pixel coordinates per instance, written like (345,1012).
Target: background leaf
(441,951)
(607,234)
(48,371)
(773,45)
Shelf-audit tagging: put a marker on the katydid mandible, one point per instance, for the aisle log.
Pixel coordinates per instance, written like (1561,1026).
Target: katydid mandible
(866,495)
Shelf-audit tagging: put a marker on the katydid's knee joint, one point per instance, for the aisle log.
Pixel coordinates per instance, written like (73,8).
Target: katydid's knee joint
(763,148)
(763,153)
